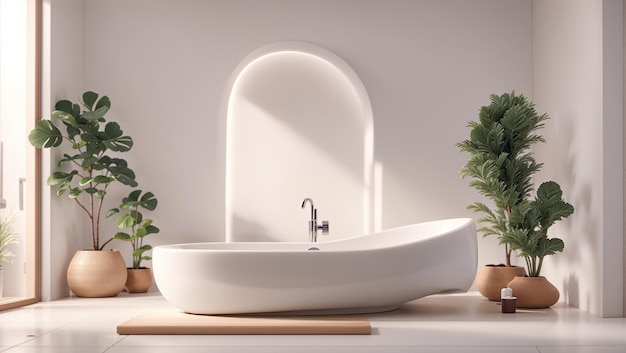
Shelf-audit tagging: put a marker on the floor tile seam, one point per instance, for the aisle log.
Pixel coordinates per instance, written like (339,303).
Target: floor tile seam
(36,336)
(121,339)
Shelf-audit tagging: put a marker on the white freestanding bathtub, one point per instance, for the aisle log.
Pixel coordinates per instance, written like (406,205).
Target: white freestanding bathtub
(369,273)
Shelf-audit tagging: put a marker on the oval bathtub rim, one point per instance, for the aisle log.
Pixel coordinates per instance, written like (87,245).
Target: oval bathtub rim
(463,222)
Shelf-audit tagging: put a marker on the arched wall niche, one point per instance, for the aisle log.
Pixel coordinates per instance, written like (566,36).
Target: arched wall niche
(298,124)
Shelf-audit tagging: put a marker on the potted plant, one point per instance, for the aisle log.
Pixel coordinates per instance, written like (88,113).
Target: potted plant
(528,234)
(501,165)
(139,277)
(8,236)
(85,177)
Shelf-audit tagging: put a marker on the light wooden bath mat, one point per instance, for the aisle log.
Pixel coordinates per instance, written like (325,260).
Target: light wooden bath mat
(175,322)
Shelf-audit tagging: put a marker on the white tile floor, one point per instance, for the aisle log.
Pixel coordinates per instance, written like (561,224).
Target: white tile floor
(437,324)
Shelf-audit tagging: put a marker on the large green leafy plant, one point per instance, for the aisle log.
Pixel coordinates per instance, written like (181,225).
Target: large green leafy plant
(92,166)
(502,165)
(133,220)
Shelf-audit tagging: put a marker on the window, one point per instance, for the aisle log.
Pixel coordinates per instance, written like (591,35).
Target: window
(19,167)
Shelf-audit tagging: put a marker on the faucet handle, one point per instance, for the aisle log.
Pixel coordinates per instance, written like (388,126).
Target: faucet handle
(323,227)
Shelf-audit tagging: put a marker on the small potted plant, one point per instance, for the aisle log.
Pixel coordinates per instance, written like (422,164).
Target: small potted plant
(85,177)
(501,165)
(8,236)
(528,234)
(139,277)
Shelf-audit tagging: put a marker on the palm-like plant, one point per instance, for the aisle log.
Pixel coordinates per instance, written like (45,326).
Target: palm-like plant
(502,166)
(92,139)
(529,224)
(8,236)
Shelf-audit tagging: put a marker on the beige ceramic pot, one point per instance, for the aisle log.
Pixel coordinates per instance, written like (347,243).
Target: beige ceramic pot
(96,274)
(139,280)
(534,292)
(492,279)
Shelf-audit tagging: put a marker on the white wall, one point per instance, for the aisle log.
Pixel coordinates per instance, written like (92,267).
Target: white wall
(578,71)
(427,65)
(63,229)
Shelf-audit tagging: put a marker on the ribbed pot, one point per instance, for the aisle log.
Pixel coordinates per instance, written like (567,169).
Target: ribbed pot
(139,280)
(96,274)
(492,279)
(534,292)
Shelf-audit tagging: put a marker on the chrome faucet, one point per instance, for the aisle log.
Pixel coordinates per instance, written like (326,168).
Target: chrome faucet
(313,226)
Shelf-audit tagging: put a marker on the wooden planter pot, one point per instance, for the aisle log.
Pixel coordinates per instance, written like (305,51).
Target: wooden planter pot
(139,280)
(534,292)
(492,279)
(96,274)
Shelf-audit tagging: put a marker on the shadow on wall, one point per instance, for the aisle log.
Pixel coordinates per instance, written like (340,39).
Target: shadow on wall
(580,233)
(571,290)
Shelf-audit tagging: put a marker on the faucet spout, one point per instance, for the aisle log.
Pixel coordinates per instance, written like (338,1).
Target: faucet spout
(312,207)
(313,227)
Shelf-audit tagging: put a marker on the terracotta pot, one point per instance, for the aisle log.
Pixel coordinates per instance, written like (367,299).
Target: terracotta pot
(139,280)
(96,274)
(534,292)
(492,279)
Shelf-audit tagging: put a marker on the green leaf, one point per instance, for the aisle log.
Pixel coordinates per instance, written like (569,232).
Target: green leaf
(551,247)
(126,179)
(68,119)
(103,102)
(149,202)
(96,114)
(125,221)
(141,232)
(141,250)
(122,236)
(89,98)
(65,106)
(45,135)
(151,229)
(75,192)
(113,139)
(60,177)
(133,196)
(85,181)
(91,190)
(102,179)
(111,212)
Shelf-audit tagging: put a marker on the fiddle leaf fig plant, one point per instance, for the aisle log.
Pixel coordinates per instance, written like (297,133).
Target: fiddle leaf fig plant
(89,170)
(133,220)
(8,236)
(501,165)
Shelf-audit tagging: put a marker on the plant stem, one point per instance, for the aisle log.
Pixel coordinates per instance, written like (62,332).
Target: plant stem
(507,251)
(539,267)
(105,243)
